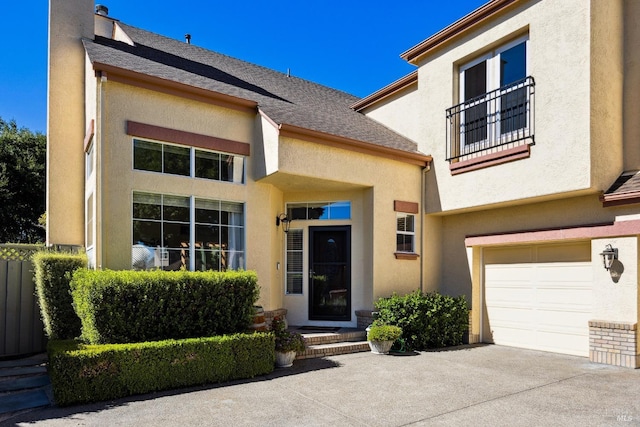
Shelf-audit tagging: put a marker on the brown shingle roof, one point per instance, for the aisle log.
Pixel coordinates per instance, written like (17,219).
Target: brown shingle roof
(285,100)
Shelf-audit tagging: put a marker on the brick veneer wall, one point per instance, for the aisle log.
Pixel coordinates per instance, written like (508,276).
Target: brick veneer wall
(471,337)
(365,318)
(614,343)
(269,315)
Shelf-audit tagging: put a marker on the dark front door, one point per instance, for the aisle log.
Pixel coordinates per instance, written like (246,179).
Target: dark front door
(330,273)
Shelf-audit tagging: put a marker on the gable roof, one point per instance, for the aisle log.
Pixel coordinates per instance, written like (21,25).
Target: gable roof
(286,101)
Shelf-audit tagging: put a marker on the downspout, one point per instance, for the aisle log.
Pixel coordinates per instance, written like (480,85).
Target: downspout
(423,198)
(99,133)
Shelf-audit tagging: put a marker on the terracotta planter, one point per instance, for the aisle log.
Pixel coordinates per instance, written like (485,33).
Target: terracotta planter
(285,360)
(380,347)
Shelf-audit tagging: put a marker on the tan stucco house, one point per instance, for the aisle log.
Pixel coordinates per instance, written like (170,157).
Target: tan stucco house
(501,169)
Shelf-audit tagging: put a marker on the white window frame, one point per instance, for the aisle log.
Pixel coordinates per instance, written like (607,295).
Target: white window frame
(492,59)
(286,262)
(406,233)
(192,228)
(192,160)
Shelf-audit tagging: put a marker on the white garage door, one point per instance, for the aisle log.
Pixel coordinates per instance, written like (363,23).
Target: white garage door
(539,297)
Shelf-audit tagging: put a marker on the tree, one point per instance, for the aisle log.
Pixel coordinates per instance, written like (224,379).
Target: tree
(22,183)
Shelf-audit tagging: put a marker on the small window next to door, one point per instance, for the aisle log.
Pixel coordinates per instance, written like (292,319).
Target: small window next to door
(406,229)
(406,233)
(294,262)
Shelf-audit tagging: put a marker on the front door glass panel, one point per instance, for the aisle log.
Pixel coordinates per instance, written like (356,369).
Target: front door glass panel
(330,273)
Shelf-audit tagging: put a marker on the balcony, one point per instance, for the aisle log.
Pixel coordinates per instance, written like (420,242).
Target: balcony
(492,125)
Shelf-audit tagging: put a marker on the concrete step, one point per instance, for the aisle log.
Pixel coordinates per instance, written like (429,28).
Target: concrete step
(342,335)
(323,343)
(333,349)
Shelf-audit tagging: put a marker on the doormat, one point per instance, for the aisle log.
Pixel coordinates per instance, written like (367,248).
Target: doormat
(319,328)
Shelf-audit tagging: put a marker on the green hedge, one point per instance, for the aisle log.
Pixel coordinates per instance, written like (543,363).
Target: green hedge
(90,373)
(53,273)
(429,320)
(137,306)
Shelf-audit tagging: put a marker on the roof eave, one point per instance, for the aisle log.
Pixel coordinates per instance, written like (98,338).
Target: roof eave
(618,199)
(324,138)
(464,24)
(146,81)
(386,91)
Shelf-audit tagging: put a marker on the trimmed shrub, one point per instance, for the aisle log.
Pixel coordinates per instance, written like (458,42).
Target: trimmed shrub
(53,272)
(382,332)
(137,306)
(429,320)
(90,373)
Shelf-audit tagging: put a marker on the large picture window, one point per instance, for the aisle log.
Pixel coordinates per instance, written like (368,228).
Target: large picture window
(166,237)
(177,160)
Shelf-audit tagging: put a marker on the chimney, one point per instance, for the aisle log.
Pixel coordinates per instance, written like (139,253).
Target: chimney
(102,10)
(187,38)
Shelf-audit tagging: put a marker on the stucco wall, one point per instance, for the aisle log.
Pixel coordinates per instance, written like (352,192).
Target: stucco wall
(399,112)
(607,83)
(69,21)
(616,301)
(456,277)
(560,60)
(389,180)
(301,171)
(631,85)
(122,103)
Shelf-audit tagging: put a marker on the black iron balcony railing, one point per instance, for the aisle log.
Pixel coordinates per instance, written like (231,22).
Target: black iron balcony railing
(494,121)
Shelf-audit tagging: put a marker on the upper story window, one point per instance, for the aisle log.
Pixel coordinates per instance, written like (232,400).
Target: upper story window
(496,108)
(187,161)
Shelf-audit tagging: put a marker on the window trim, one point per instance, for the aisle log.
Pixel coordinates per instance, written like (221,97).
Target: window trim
(190,139)
(286,262)
(406,208)
(192,225)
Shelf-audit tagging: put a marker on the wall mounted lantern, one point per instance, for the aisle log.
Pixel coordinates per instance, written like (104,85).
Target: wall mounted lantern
(608,256)
(286,222)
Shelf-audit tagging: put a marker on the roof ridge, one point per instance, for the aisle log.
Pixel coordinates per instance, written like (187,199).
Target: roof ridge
(177,43)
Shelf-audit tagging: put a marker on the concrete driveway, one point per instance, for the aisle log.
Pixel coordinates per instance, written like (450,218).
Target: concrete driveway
(477,385)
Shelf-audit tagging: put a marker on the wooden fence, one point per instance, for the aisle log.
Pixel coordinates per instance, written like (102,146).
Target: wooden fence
(21,328)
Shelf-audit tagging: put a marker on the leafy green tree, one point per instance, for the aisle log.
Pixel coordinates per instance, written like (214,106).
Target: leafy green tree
(22,183)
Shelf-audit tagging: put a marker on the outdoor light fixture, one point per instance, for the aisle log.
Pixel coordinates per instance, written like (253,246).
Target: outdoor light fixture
(608,256)
(286,222)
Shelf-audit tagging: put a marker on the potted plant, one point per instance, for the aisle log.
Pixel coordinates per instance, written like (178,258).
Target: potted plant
(288,344)
(381,337)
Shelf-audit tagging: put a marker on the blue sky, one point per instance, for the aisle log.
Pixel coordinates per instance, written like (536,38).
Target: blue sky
(350,45)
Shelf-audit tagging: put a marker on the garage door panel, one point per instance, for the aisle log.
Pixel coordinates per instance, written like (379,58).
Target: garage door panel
(565,343)
(514,336)
(518,273)
(563,272)
(507,296)
(539,305)
(564,298)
